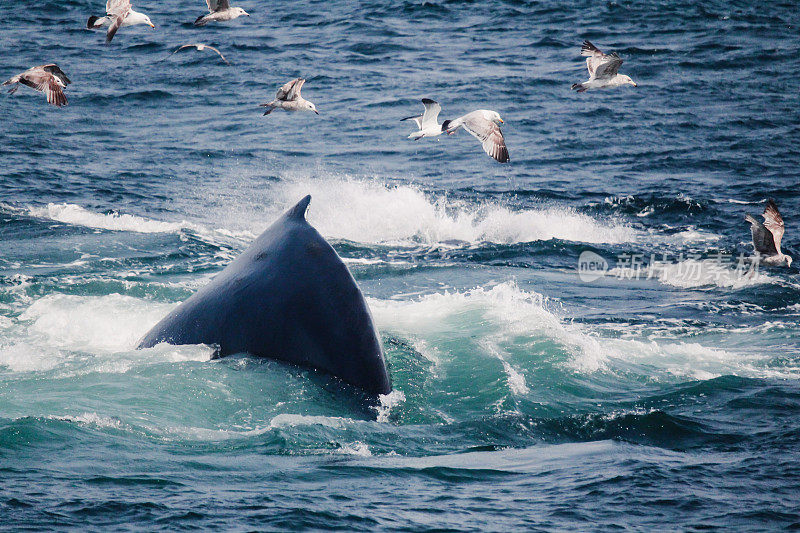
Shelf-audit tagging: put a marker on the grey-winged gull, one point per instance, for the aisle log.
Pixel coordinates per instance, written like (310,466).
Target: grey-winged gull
(201,47)
(602,69)
(220,11)
(48,79)
(288,98)
(767,236)
(119,13)
(482,124)
(427,122)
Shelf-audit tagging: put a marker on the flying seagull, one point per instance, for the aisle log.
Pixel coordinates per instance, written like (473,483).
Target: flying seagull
(220,10)
(202,47)
(427,122)
(602,69)
(482,124)
(119,13)
(767,236)
(48,79)
(288,98)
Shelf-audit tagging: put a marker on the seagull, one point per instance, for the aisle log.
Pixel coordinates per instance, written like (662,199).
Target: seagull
(288,98)
(48,79)
(118,13)
(202,47)
(767,236)
(220,10)
(427,122)
(482,124)
(602,69)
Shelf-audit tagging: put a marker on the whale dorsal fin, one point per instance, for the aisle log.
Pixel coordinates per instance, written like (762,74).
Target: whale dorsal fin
(298,212)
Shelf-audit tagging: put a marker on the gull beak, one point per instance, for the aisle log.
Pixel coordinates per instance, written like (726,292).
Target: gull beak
(152,25)
(501,121)
(317,112)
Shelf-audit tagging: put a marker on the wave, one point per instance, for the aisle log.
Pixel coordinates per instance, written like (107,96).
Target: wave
(59,331)
(79,216)
(375,212)
(523,330)
(517,329)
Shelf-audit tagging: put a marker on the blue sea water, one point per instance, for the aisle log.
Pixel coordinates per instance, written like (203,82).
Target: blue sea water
(524,397)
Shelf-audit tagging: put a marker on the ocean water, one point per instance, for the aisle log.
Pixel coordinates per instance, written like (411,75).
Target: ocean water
(664,397)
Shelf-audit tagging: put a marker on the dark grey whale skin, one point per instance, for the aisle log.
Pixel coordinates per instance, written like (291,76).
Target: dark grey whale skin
(288,297)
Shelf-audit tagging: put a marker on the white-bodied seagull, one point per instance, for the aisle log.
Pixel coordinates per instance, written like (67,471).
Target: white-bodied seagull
(482,124)
(767,236)
(48,79)
(603,70)
(119,13)
(288,98)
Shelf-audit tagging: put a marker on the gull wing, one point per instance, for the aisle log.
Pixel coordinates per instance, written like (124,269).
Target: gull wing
(118,7)
(417,120)
(218,52)
(593,57)
(290,91)
(37,78)
(57,72)
(115,25)
(774,223)
(763,242)
(488,133)
(608,66)
(431,115)
(217,5)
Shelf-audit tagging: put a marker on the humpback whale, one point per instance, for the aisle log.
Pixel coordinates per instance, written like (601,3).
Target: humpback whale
(288,297)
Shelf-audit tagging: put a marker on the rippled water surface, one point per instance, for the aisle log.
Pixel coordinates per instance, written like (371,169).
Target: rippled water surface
(524,397)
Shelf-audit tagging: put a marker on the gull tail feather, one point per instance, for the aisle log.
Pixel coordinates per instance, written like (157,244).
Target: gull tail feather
(579,87)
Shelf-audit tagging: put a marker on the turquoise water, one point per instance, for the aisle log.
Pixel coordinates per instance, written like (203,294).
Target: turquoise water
(524,397)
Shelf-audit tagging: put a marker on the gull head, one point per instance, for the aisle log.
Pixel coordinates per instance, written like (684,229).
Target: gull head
(239,12)
(147,21)
(628,81)
(312,107)
(494,116)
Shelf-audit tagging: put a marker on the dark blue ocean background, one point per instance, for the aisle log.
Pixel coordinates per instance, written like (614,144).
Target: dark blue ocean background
(525,398)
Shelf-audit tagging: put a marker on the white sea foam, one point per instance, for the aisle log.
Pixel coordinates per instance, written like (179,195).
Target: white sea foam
(387,403)
(104,323)
(92,419)
(79,216)
(284,420)
(376,212)
(372,211)
(742,202)
(509,320)
(89,334)
(356,448)
(691,235)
